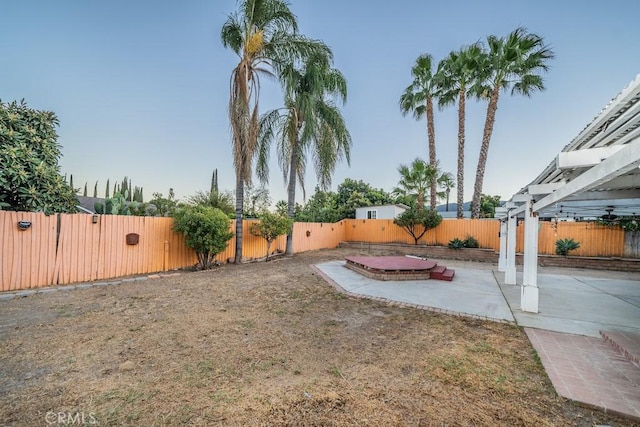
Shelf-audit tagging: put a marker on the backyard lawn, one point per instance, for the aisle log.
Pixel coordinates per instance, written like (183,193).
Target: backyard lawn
(264,344)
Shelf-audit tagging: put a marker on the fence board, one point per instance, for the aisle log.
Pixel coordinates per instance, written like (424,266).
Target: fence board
(308,236)
(27,258)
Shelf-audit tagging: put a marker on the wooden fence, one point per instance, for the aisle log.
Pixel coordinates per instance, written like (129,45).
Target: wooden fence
(385,231)
(65,248)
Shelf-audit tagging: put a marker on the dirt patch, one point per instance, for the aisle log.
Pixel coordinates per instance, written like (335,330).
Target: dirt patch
(264,344)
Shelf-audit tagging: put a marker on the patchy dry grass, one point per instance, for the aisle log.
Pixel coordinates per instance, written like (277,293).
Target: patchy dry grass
(265,344)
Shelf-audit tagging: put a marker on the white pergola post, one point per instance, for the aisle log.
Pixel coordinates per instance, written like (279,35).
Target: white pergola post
(510,267)
(529,291)
(502,258)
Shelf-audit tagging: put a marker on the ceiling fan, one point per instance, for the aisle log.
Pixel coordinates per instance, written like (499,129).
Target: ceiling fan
(609,217)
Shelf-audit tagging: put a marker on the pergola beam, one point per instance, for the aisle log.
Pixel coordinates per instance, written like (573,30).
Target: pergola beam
(541,189)
(617,164)
(604,195)
(585,158)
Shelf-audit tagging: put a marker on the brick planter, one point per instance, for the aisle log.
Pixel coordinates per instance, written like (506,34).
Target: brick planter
(489,255)
(437,252)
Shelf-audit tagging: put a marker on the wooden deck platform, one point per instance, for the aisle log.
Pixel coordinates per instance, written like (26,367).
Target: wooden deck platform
(398,268)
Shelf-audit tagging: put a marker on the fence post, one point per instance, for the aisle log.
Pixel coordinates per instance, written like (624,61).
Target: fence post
(166,256)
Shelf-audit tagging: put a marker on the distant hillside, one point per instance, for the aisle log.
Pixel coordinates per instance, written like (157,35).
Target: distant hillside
(453,207)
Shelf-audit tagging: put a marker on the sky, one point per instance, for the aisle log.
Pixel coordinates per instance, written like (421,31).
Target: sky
(141,88)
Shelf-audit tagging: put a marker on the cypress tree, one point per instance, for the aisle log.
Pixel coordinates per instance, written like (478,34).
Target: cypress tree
(214,182)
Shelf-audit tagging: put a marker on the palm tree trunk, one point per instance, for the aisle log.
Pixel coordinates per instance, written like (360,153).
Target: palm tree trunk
(461,137)
(447,209)
(484,151)
(431,131)
(291,193)
(239,204)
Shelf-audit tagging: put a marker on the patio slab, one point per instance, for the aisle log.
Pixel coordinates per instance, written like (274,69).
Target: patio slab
(473,292)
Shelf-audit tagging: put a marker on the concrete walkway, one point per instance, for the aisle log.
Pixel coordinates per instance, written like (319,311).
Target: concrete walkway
(577,309)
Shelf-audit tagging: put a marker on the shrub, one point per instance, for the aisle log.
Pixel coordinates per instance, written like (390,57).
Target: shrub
(471,242)
(417,222)
(468,242)
(270,227)
(206,231)
(563,246)
(456,244)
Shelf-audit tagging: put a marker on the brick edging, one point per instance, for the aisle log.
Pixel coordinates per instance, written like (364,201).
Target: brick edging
(7,295)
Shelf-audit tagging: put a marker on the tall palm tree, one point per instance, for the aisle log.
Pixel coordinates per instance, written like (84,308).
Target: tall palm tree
(418,100)
(416,180)
(458,80)
(512,62)
(446,182)
(310,122)
(263,33)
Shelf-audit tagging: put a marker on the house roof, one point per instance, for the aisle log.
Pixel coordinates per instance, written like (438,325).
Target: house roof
(87,204)
(399,205)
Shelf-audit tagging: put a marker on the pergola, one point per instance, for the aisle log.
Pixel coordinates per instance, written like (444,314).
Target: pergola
(597,175)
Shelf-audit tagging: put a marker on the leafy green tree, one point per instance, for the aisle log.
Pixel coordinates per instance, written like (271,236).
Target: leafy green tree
(512,62)
(356,200)
(84,193)
(488,205)
(418,222)
(95,190)
(417,180)
(30,177)
(366,195)
(263,33)
(418,99)
(270,227)
(163,206)
(310,123)
(321,207)
(106,191)
(459,79)
(206,231)
(258,199)
(222,201)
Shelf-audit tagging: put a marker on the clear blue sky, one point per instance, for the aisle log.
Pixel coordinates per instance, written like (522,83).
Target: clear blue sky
(141,87)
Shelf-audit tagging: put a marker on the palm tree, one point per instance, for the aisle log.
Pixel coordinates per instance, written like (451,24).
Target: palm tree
(263,33)
(460,72)
(418,99)
(309,122)
(416,180)
(512,62)
(446,182)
